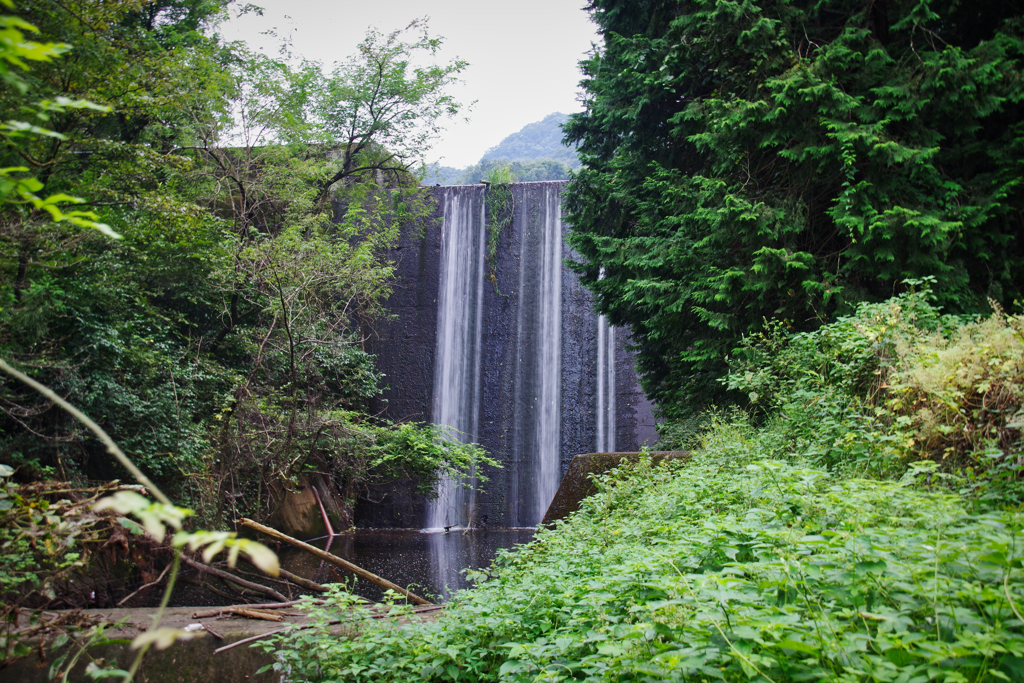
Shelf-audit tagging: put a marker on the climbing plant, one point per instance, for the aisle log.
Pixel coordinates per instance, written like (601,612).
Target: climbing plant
(501,205)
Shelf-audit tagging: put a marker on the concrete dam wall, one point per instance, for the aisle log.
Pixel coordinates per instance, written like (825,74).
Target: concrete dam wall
(519,363)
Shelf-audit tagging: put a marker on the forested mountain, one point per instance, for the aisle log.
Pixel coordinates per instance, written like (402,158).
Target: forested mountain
(536,152)
(536,141)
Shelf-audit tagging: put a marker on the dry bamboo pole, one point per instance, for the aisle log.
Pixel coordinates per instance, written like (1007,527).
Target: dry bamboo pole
(337,561)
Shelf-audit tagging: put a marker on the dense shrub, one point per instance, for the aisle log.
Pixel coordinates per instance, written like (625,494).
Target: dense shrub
(744,564)
(859,523)
(893,384)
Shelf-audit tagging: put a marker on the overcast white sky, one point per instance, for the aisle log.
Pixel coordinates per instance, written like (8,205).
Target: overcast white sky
(523,54)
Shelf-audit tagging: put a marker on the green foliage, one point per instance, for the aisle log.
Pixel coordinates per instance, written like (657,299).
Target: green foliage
(523,171)
(16,185)
(736,566)
(768,556)
(220,340)
(894,384)
(301,659)
(501,206)
(389,99)
(757,160)
(39,540)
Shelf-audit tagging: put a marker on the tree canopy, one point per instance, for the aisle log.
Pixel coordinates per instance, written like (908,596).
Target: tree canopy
(219,340)
(753,160)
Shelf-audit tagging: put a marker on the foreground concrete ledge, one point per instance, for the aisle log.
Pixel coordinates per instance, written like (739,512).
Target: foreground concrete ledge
(577,485)
(191,661)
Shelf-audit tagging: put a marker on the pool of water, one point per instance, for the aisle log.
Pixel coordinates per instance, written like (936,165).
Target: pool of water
(429,563)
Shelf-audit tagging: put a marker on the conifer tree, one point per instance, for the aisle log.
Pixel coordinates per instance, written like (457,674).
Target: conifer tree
(753,159)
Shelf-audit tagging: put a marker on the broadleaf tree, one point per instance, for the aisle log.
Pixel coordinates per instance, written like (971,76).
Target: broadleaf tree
(752,160)
(382,109)
(218,341)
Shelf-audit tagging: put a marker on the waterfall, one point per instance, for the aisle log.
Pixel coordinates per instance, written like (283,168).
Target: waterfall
(605,386)
(538,384)
(456,395)
(549,367)
(509,354)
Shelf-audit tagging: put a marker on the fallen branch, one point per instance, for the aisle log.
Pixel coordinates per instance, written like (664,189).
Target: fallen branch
(219,573)
(151,583)
(323,513)
(211,631)
(253,639)
(266,605)
(332,622)
(256,614)
(304,583)
(327,557)
(242,611)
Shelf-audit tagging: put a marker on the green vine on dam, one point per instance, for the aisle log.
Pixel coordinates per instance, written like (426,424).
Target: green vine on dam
(500,207)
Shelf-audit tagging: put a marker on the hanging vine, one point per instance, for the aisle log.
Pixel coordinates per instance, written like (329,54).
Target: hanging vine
(500,207)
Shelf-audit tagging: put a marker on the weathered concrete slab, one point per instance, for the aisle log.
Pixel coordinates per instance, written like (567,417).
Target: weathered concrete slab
(577,484)
(191,661)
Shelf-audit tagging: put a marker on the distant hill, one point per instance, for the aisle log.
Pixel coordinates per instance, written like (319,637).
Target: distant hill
(536,141)
(536,152)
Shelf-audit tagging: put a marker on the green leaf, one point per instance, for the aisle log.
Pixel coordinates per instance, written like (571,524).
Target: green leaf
(790,644)
(96,672)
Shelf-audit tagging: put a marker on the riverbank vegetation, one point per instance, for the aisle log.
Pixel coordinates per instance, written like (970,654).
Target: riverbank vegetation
(220,338)
(809,215)
(861,522)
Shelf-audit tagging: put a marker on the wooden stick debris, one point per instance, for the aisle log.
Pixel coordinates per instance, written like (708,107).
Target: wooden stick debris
(257,614)
(211,631)
(265,605)
(252,639)
(242,611)
(219,573)
(304,583)
(261,636)
(358,571)
(151,583)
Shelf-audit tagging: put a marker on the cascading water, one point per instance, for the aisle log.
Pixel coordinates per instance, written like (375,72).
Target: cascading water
(605,386)
(456,396)
(538,391)
(509,353)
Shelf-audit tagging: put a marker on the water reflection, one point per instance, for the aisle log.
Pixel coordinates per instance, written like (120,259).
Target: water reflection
(425,562)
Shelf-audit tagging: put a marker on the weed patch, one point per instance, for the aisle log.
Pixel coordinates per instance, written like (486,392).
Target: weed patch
(733,567)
